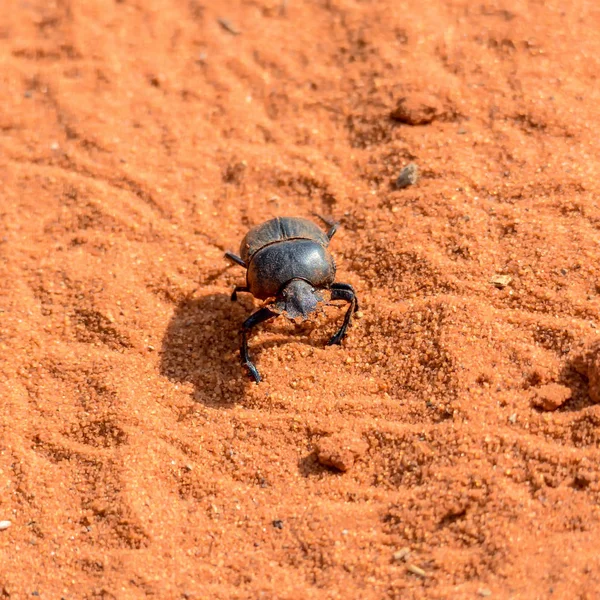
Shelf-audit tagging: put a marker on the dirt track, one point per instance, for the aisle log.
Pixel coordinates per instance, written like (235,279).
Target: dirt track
(139,140)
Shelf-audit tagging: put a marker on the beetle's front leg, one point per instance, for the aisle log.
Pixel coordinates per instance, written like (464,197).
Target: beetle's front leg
(343,291)
(236,289)
(258,317)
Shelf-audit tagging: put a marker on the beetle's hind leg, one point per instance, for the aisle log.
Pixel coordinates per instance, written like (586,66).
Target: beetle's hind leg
(347,287)
(236,259)
(253,320)
(343,291)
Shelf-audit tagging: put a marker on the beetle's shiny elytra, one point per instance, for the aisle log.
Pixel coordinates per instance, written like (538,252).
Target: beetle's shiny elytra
(288,262)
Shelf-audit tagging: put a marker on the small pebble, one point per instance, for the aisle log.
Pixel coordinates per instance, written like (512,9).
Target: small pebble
(501,281)
(416,571)
(5,525)
(484,592)
(402,554)
(227,26)
(278,524)
(408,176)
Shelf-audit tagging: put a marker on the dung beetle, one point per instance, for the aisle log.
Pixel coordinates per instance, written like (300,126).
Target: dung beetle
(288,263)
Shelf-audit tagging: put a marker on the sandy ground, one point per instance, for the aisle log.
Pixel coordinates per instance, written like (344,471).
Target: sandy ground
(139,140)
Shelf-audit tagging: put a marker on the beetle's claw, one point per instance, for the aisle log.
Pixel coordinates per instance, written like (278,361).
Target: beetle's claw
(253,371)
(336,340)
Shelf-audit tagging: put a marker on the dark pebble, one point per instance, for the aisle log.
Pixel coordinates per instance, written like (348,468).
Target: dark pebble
(408,176)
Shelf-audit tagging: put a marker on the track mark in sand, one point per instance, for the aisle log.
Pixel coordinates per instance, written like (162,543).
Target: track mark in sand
(537,299)
(474,497)
(189,482)
(91,566)
(92,417)
(559,338)
(38,53)
(408,349)
(99,423)
(538,469)
(585,431)
(92,326)
(57,293)
(129,184)
(408,459)
(401,272)
(124,183)
(63,117)
(308,189)
(70,169)
(458,518)
(191,485)
(96,479)
(86,221)
(365,131)
(169,289)
(87,454)
(98,433)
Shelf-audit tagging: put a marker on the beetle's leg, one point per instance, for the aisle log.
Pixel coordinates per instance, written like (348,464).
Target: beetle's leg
(252,321)
(345,286)
(236,289)
(236,259)
(343,293)
(333,225)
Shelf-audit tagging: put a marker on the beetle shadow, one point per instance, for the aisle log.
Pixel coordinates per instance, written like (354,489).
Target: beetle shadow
(200,347)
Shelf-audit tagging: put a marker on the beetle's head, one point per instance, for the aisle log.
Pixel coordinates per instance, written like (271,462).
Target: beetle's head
(298,299)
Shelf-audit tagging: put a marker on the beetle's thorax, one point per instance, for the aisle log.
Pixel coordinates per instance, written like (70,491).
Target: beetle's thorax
(275,265)
(298,299)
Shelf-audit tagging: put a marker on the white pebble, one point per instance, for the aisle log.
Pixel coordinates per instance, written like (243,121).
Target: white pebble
(5,525)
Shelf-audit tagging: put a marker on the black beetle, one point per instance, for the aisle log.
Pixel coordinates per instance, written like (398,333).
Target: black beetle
(288,262)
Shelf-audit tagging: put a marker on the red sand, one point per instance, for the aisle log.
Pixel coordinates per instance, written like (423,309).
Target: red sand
(141,139)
